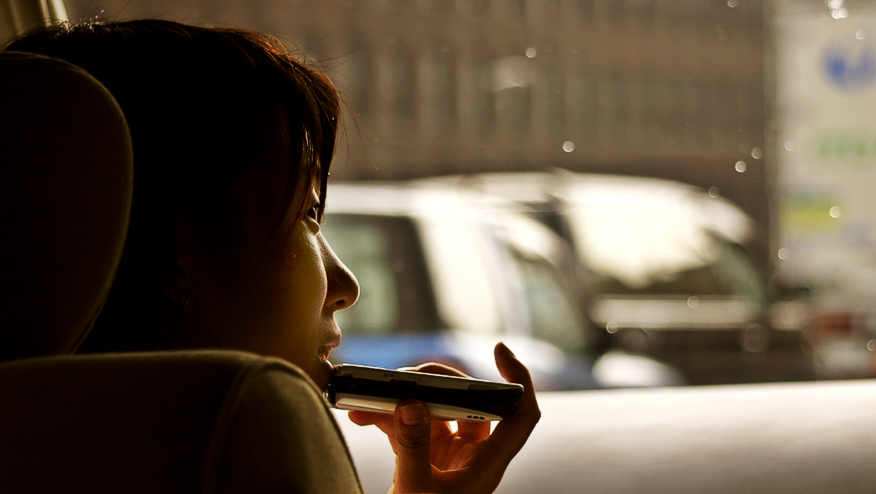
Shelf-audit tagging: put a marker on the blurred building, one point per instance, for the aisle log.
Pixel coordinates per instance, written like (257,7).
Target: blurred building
(662,88)
(665,88)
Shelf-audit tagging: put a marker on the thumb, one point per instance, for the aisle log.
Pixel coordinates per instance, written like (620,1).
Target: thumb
(413,436)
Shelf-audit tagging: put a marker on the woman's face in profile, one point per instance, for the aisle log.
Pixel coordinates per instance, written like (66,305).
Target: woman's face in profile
(289,284)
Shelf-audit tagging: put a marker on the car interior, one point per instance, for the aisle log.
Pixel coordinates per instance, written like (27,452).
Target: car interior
(189,421)
(228,421)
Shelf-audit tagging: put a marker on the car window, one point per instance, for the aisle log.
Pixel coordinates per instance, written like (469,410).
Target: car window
(552,315)
(640,239)
(731,273)
(384,254)
(463,269)
(737,275)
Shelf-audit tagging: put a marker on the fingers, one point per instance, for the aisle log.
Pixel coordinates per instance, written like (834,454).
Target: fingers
(514,371)
(383,421)
(359,417)
(511,433)
(413,434)
(473,429)
(441,428)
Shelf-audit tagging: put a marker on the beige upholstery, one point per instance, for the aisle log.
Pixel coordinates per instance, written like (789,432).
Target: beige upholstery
(198,421)
(211,421)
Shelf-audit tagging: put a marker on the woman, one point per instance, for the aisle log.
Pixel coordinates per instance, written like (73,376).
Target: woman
(233,139)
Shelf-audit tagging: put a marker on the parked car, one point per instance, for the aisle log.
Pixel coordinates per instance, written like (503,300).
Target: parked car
(670,269)
(447,273)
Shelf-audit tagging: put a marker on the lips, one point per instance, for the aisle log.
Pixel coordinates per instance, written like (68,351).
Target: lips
(323,368)
(322,372)
(326,349)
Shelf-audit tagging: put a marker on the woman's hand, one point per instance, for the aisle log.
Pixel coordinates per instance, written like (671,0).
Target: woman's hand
(433,459)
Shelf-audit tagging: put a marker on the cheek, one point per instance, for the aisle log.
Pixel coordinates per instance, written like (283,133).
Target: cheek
(280,305)
(297,303)
(304,273)
(302,289)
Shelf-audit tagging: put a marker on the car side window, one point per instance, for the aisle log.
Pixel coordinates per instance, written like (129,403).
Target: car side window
(383,252)
(739,276)
(552,315)
(731,273)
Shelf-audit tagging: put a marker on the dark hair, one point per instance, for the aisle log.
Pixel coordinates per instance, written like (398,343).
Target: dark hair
(199,102)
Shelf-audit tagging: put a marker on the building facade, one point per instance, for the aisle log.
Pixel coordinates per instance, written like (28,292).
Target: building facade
(663,88)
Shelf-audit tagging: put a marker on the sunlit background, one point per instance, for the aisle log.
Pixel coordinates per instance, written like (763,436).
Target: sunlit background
(752,259)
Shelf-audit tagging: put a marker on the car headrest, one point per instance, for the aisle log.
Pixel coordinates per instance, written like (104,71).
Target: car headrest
(66,176)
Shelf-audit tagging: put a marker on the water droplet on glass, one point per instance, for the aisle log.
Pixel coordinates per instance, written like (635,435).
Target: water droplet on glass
(859,34)
(713,192)
(740,166)
(757,153)
(732,3)
(530,52)
(611,327)
(568,146)
(789,145)
(784,253)
(693,302)
(871,345)
(835,212)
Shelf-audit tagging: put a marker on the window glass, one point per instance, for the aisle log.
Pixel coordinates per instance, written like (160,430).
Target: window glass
(462,268)
(731,273)
(552,316)
(738,276)
(384,255)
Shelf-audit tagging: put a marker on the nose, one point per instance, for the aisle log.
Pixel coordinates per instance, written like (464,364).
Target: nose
(343,287)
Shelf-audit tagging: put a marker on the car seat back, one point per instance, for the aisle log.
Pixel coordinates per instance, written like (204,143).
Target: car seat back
(184,421)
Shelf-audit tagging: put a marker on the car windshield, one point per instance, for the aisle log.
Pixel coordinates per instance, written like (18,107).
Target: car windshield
(728,272)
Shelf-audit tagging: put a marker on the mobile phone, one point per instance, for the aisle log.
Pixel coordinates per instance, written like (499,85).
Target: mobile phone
(372,389)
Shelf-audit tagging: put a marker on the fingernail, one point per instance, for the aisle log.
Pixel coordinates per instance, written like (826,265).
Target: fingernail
(413,414)
(509,350)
